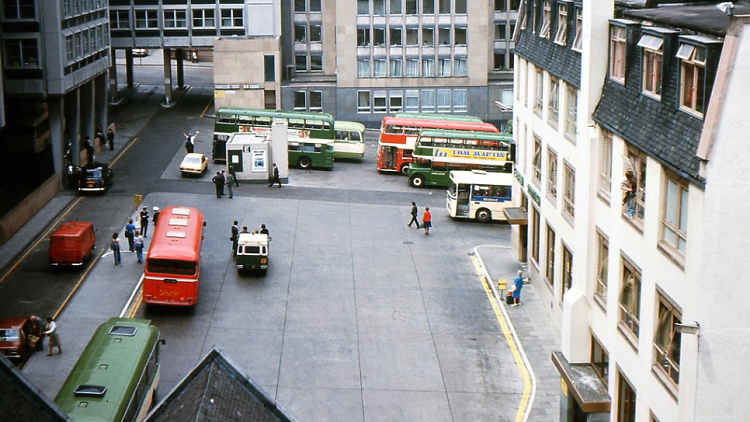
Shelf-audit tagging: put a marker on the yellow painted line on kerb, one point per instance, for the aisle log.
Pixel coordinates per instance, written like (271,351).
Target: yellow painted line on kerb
(136,305)
(52,227)
(501,319)
(207,107)
(120,154)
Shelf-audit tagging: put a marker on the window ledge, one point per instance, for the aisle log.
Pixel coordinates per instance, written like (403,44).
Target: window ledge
(571,137)
(634,222)
(604,196)
(669,385)
(602,302)
(630,338)
(549,285)
(569,218)
(552,199)
(672,254)
(553,124)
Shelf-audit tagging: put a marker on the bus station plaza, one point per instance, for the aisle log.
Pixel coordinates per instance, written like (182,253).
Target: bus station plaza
(358,318)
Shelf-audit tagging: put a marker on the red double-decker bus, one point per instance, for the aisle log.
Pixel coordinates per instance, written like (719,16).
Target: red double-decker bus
(399,134)
(173,261)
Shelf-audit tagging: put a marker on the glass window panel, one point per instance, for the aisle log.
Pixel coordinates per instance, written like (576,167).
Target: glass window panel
(428,101)
(396,7)
(412,68)
(396,68)
(363,7)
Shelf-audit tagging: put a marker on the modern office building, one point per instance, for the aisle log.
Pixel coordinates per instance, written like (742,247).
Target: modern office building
(647,287)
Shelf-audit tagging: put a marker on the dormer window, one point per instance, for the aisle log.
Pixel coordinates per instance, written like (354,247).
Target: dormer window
(617,53)
(692,77)
(562,24)
(546,18)
(579,30)
(652,63)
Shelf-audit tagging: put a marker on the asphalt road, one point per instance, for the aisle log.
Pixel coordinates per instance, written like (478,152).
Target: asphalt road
(358,317)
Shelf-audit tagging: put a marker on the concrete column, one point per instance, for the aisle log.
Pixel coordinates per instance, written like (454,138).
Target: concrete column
(100,102)
(167,75)
(113,75)
(87,110)
(129,67)
(57,136)
(72,110)
(180,70)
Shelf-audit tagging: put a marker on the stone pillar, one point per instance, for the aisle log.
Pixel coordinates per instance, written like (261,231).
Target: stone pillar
(56,108)
(87,111)
(179,58)
(72,110)
(113,75)
(167,75)
(129,67)
(100,102)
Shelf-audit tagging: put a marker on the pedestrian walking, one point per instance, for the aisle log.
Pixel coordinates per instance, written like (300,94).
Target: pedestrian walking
(89,150)
(516,289)
(426,220)
(138,247)
(130,234)
(275,177)
(414,215)
(155,217)
(190,142)
(37,330)
(111,139)
(234,237)
(218,183)
(115,248)
(144,222)
(54,337)
(230,185)
(234,174)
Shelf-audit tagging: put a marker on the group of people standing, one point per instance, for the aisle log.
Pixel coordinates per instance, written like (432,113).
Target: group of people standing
(102,141)
(235,236)
(39,329)
(228,179)
(135,236)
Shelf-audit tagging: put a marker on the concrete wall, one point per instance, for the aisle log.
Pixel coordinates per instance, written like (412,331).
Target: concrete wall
(23,212)
(239,61)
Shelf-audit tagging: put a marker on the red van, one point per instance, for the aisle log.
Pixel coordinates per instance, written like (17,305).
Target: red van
(71,244)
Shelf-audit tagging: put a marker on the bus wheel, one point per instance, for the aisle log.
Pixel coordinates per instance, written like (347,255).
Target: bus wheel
(404,169)
(417,181)
(484,215)
(304,162)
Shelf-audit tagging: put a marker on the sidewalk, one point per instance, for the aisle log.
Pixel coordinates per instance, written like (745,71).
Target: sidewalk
(537,333)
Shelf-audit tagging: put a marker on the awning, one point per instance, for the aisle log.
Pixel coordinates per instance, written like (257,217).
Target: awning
(587,388)
(516,215)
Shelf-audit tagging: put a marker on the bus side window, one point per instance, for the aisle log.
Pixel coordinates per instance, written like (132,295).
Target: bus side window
(296,123)
(263,121)
(245,120)
(354,136)
(226,118)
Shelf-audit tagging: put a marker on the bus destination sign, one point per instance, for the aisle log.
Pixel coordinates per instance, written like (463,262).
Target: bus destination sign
(469,153)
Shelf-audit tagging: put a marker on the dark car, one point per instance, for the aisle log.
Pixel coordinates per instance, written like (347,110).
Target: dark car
(14,338)
(95,178)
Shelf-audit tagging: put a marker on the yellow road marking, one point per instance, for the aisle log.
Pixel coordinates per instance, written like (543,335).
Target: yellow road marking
(120,154)
(137,304)
(206,109)
(75,289)
(40,239)
(511,343)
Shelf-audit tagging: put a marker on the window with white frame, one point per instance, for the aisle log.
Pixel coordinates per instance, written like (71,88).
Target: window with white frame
(553,102)
(567,269)
(378,37)
(146,19)
(444,100)
(19,9)
(397,69)
(396,36)
(459,35)
(300,33)
(231,18)
(500,31)
(674,221)
(546,19)
(444,7)
(316,101)
(204,18)
(379,67)
(363,67)
(579,30)
(460,64)
(316,63)
(569,199)
(315,6)
(363,102)
(70,53)
(428,67)
(395,102)
(617,53)
(412,36)
(175,18)
(428,101)
(539,91)
(668,344)
(119,19)
(300,63)
(602,273)
(652,63)
(626,400)
(536,162)
(605,162)
(411,7)
(562,24)
(571,125)
(460,6)
(412,68)
(444,36)
(599,360)
(638,162)
(379,102)
(412,101)
(363,37)
(692,77)
(21,52)
(460,100)
(552,174)
(300,100)
(363,7)
(395,7)
(300,5)
(630,301)
(428,7)
(549,275)
(444,66)
(378,7)
(316,32)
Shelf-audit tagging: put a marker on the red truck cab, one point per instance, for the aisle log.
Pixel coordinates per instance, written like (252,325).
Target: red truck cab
(71,244)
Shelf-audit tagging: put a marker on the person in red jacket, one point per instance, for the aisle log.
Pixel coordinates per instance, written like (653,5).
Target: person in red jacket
(427,220)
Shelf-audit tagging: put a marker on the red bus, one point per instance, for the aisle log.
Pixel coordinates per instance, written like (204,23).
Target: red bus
(173,261)
(399,134)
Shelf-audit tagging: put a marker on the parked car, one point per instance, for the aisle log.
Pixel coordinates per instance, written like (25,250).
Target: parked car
(252,252)
(140,52)
(95,177)
(193,163)
(71,244)
(14,338)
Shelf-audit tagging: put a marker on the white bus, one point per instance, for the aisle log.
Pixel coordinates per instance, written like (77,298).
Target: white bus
(349,139)
(479,195)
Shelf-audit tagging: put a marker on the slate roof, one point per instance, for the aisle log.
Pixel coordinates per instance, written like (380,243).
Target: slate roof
(705,18)
(21,401)
(216,391)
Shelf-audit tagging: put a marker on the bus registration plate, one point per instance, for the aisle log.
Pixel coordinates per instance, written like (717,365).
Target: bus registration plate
(170,280)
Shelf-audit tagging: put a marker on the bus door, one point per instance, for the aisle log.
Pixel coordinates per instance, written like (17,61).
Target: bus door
(462,200)
(389,158)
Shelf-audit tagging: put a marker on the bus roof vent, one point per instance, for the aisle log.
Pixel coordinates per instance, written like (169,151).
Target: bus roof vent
(477,171)
(180,235)
(178,222)
(122,330)
(90,390)
(180,211)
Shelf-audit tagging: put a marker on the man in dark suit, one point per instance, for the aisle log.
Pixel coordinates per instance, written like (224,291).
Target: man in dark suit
(275,178)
